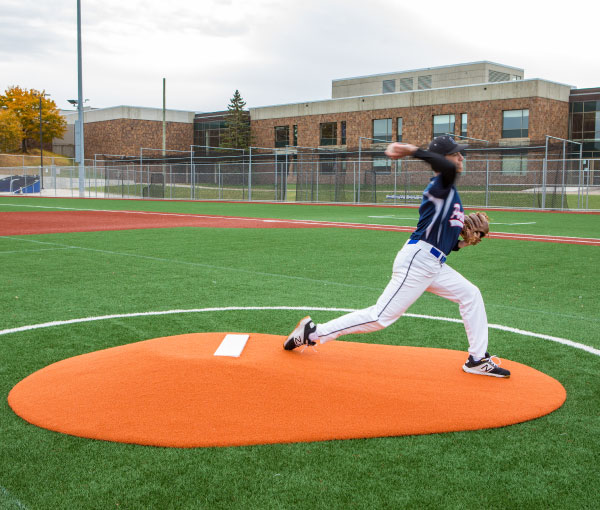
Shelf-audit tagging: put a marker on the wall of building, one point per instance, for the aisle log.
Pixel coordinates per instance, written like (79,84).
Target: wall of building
(127,136)
(444,76)
(546,117)
(123,130)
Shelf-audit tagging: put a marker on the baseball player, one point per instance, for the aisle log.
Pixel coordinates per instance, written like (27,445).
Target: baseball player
(421,265)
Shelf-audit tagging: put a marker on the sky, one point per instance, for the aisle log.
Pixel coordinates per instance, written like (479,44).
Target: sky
(278,51)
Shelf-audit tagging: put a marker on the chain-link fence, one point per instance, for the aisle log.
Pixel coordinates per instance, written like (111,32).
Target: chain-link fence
(310,177)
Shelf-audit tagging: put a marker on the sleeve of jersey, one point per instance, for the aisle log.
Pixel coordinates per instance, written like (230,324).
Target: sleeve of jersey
(439,164)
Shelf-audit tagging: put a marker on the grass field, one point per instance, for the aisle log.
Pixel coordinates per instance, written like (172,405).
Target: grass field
(545,288)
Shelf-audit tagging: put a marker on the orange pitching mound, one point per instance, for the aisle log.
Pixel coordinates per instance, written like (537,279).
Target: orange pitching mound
(175,392)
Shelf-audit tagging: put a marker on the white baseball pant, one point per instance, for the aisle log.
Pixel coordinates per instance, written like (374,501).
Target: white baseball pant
(415,271)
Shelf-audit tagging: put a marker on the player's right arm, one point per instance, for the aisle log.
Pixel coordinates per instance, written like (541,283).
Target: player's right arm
(438,163)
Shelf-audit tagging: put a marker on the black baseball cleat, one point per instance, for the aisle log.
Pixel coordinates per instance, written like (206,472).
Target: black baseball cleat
(300,335)
(485,366)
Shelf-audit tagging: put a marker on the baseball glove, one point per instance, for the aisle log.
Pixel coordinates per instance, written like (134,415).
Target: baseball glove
(476,227)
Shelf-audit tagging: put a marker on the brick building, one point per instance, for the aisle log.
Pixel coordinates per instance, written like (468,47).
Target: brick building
(484,101)
(124,130)
(488,104)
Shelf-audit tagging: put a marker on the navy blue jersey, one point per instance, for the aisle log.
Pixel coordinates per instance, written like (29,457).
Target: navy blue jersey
(441,214)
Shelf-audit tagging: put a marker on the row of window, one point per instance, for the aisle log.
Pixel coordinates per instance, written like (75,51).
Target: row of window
(515,124)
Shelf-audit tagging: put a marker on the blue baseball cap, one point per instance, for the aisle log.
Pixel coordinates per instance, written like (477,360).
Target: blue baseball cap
(445,145)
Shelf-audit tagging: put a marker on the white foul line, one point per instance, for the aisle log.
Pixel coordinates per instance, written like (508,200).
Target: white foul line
(556,339)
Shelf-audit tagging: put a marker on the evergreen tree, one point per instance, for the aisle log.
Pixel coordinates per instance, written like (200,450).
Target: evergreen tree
(237,124)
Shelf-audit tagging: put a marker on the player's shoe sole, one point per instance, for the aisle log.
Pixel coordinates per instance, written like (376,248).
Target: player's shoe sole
(485,366)
(300,334)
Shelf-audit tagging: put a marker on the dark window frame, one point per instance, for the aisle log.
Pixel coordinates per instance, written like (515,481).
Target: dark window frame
(449,128)
(332,138)
(387,137)
(515,132)
(282,140)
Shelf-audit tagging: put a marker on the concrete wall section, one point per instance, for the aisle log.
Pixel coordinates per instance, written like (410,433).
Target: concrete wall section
(433,97)
(131,112)
(437,77)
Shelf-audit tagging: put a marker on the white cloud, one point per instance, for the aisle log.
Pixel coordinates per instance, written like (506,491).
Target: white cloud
(274,52)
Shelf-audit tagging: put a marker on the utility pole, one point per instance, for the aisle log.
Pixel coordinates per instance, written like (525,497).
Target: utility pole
(41,147)
(81,158)
(42,94)
(164,132)
(164,119)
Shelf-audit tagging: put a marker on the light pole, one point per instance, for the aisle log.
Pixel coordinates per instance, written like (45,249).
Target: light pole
(80,106)
(42,94)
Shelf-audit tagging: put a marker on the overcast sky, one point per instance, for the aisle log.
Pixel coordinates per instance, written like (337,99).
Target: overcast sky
(279,51)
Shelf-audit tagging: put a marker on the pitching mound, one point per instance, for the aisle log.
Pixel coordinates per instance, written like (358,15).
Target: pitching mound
(175,392)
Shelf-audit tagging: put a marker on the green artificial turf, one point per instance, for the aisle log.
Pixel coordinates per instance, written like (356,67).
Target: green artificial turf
(545,288)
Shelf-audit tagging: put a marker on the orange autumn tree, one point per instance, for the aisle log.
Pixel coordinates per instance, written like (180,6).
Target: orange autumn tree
(25,105)
(11,132)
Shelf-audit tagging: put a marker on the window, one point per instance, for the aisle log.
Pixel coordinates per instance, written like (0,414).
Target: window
(463,124)
(328,133)
(382,165)
(389,86)
(282,136)
(514,165)
(209,130)
(399,133)
(424,82)
(295,135)
(497,76)
(407,84)
(382,130)
(443,125)
(343,129)
(515,124)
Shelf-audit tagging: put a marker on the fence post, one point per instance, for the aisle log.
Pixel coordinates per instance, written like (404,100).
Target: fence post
(354,181)
(395,181)
(250,177)
(562,197)
(357,197)
(487,181)
(318,177)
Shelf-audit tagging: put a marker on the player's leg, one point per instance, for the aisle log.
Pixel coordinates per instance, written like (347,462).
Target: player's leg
(450,284)
(413,272)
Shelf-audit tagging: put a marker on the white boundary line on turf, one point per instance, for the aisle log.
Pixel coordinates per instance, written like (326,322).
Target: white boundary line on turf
(4,492)
(500,327)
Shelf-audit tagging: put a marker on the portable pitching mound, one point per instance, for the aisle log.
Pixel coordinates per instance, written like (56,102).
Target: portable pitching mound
(179,392)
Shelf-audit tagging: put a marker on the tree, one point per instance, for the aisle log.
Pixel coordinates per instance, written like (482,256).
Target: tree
(11,132)
(25,104)
(237,124)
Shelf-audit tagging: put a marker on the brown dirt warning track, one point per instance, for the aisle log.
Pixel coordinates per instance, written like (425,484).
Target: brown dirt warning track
(54,222)
(174,392)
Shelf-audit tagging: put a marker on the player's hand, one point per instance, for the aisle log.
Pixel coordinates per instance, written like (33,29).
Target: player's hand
(400,150)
